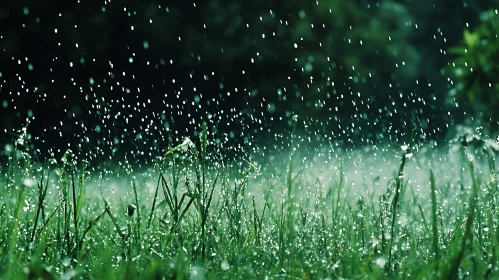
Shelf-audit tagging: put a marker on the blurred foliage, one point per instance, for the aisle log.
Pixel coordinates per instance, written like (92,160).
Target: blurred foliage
(307,57)
(475,69)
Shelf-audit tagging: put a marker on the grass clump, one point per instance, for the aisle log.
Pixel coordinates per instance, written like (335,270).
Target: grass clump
(204,220)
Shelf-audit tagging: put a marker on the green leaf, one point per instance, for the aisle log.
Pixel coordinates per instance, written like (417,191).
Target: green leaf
(471,39)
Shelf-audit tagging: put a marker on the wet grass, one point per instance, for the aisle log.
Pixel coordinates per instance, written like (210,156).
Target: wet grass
(200,222)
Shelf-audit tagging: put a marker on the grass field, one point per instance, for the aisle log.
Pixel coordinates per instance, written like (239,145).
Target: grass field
(196,218)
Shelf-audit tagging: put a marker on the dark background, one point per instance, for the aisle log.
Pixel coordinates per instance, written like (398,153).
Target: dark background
(124,79)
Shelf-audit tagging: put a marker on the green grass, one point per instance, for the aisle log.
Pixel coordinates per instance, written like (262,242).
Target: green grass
(203,220)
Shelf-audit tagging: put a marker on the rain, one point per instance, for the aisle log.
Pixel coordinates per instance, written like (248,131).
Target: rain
(230,139)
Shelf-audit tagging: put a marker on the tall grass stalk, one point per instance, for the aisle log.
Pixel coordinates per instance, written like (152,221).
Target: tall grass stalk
(203,195)
(138,232)
(396,197)
(42,193)
(457,258)
(434,219)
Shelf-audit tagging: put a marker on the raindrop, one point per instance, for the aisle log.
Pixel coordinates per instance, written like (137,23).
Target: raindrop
(197,273)
(28,182)
(380,262)
(225,265)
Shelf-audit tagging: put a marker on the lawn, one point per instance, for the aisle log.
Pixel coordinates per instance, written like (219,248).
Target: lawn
(431,216)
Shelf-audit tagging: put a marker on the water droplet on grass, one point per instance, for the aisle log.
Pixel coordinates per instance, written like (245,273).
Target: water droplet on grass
(225,265)
(380,262)
(28,182)
(197,273)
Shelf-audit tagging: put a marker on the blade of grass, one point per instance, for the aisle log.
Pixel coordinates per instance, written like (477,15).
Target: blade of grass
(14,225)
(425,223)
(75,211)
(89,227)
(153,205)
(113,219)
(434,220)
(186,207)
(452,272)
(48,220)
(81,191)
(396,197)
(134,187)
(167,193)
(339,187)
(42,192)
